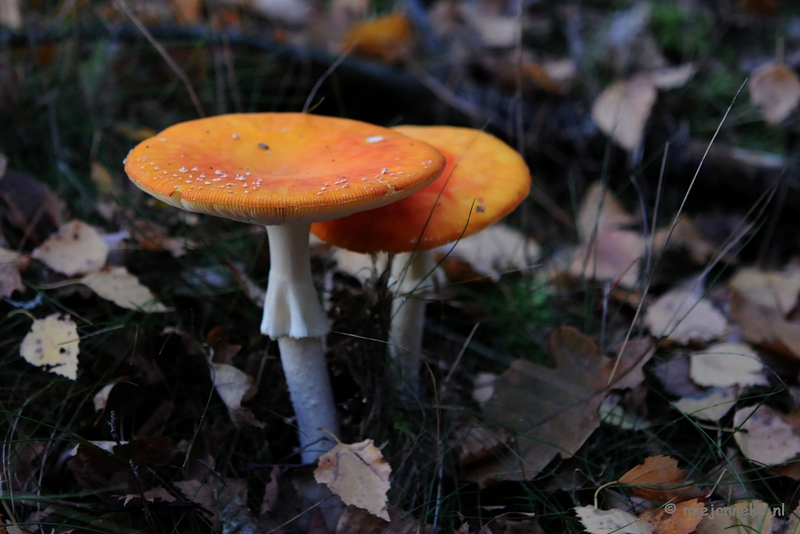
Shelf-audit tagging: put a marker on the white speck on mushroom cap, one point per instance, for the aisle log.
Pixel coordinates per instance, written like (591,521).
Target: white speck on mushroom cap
(235,136)
(374,139)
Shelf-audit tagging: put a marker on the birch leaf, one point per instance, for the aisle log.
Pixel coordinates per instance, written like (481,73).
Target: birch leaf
(123,289)
(358,474)
(53,342)
(76,248)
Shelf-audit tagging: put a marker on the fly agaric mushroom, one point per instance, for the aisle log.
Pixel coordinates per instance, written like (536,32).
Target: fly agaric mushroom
(484,181)
(285,170)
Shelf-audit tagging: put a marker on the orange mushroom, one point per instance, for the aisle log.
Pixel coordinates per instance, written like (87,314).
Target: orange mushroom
(483,181)
(285,170)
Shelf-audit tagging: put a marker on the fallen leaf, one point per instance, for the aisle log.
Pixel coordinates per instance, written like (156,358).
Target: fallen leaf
(76,248)
(751,517)
(10,279)
(357,521)
(614,256)
(622,109)
(660,479)
(772,289)
(493,251)
(681,520)
(601,211)
(494,31)
(386,38)
(765,435)
(552,411)
(474,442)
(710,406)
(290,12)
(202,494)
(100,398)
(53,342)
(154,495)
(685,236)
(674,375)
(766,327)
(358,474)
(28,205)
(672,77)
(597,521)
(775,89)
(11,14)
(683,317)
(234,387)
(123,289)
(727,364)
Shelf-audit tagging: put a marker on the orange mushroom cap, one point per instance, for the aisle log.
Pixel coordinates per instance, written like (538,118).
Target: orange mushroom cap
(271,168)
(484,181)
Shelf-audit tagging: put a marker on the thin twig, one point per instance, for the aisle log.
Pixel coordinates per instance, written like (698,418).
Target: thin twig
(123,5)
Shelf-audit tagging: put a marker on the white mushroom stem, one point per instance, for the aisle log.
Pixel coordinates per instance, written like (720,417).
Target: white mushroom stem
(293,315)
(412,273)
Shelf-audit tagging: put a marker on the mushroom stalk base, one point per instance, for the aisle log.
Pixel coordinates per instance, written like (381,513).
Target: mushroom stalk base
(306,373)
(291,304)
(413,274)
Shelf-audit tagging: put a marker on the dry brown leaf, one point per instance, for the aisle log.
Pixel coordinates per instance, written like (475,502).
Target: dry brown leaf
(660,479)
(475,442)
(765,435)
(552,411)
(10,279)
(710,406)
(358,474)
(597,521)
(681,520)
(357,521)
(234,387)
(53,342)
(766,327)
(123,289)
(753,517)
(622,109)
(685,236)
(682,317)
(76,248)
(614,256)
(772,289)
(28,205)
(601,211)
(202,494)
(727,364)
(775,89)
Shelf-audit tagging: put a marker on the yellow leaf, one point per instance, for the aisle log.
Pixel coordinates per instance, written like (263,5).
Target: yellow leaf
(76,248)
(710,406)
(123,289)
(53,342)
(754,517)
(727,364)
(358,474)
